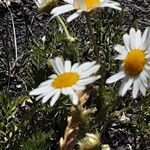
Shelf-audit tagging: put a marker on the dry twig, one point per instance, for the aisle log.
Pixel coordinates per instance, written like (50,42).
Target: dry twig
(71,133)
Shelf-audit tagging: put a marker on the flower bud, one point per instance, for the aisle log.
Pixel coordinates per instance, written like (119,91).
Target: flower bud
(90,142)
(105,147)
(46,5)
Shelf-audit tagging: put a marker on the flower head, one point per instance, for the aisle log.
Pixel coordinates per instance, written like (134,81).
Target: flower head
(67,80)
(82,6)
(45,5)
(135,57)
(90,142)
(105,147)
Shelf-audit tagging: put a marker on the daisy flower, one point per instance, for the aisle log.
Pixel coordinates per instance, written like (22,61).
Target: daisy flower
(67,80)
(135,67)
(82,6)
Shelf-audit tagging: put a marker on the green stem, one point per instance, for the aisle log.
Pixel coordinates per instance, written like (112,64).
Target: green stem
(83,123)
(69,37)
(96,52)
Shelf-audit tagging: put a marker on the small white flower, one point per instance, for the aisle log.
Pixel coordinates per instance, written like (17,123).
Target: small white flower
(67,80)
(82,6)
(135,67)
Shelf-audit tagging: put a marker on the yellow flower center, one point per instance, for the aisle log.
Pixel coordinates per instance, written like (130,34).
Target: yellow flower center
(88,4)
(134,62)
(65,80)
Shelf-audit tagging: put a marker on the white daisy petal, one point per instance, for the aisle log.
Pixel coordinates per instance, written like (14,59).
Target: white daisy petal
(115,77)
(147,67)
(79,87)
(112,2)
(138,39)
(67,66)
(73,16)
(48,96)
(52,76)
(65,91)
(41,90)
(135,88)
(40,96)
(55,67)
(145,73)
(132,38)
(74,98)
(119,57)
(90,71)
(74,66)
(69,1)
(144,82)
(144,38)
(121,49)
(142,88)
(62,9)
(59,64)
(126,40)
(110,5)
(46,83)
(125,86)
(55,97)
(85,66)
(143,77)
(147,56)
(88,80)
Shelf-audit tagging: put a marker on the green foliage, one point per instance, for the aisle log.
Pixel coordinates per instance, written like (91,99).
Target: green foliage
(36,142)
(18,118)
(9,121)
(143,122)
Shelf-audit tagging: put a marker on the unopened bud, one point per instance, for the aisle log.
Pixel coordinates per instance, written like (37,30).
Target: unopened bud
(46,5)
(90,142)
(105,147)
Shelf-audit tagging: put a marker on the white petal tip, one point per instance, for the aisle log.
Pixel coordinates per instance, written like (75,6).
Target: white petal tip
(51,104)
(108,81)
(75,103)
(98,77)
(31,93)
(43,101)
(74,99)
